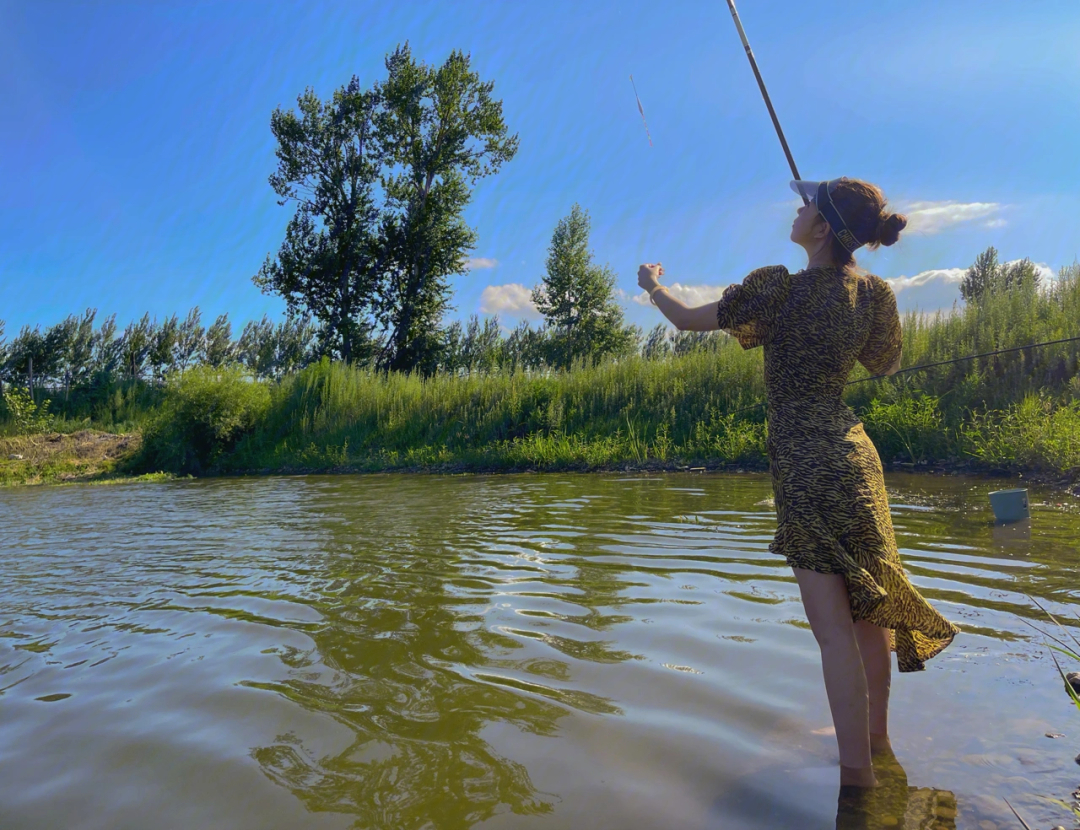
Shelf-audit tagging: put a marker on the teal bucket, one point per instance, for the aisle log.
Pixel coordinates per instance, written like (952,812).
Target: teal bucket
(1010,505)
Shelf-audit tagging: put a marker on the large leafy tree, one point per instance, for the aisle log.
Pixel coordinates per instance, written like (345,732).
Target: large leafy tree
(441,131)
(330,261)
(577,297)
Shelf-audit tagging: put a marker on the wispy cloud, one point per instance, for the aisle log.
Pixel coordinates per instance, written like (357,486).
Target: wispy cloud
(478,262)
(692,295)
(934,217)
(512,298)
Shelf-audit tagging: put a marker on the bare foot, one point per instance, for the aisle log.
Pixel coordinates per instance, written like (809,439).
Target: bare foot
(857,777)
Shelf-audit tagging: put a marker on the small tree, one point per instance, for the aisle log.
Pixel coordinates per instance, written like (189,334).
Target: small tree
(452,344)
(295,343)
(980,277)
(989,276)
(526,348)
(107,351)
(658,343)
(480,346)
(577,298)
(79,358)
(218,350)
(190,338)
(257,348)
(162,355)
(27,358)
(136,343)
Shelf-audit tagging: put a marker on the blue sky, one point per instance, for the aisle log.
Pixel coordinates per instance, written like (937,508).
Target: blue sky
(136,143)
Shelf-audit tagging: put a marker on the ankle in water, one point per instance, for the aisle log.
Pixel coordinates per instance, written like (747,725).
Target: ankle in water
(880,743)
(857,777)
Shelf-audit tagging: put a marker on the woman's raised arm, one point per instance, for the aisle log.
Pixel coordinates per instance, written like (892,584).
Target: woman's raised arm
(680,315)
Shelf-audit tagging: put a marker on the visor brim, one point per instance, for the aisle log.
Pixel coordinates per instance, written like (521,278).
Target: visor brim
(806,188)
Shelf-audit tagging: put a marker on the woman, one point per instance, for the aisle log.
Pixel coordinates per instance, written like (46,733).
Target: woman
(833,522)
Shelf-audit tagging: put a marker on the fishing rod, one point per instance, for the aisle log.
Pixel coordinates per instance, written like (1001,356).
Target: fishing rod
(938,363)
(806,201)
(765,95)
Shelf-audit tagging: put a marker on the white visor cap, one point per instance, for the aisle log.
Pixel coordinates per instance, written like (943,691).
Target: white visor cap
(809,189)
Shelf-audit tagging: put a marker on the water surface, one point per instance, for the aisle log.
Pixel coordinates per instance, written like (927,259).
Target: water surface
(526,651)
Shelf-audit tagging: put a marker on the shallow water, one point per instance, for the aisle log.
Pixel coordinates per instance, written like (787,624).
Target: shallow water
(601,651)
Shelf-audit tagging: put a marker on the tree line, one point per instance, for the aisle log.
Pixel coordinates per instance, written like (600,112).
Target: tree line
(582,322)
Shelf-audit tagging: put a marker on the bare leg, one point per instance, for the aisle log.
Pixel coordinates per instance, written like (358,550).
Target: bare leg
(874,643)
(828,609)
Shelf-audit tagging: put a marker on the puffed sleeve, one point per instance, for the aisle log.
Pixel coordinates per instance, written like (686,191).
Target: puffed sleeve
(885,341)
(748,311)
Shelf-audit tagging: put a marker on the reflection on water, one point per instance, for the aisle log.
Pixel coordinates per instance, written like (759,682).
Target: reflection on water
(894,803)
(507,652)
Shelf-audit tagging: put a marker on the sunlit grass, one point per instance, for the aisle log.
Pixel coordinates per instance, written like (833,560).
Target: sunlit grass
(1009,412)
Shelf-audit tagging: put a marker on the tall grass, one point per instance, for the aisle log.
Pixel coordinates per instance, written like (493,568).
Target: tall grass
(634,410)
(1009,411)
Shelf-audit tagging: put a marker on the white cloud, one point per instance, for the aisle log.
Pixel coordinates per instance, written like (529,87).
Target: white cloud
(934,217)
(513,299)
(692,295)
(478,262)
(923,278)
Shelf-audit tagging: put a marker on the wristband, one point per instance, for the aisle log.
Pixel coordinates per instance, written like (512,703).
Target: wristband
(657,288)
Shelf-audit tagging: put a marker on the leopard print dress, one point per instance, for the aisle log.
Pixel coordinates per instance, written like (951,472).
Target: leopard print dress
(832,509)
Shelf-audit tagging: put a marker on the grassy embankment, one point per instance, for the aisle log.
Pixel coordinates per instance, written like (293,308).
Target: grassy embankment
(1006,414)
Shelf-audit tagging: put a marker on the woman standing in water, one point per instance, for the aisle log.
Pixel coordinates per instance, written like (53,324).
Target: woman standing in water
(833,522)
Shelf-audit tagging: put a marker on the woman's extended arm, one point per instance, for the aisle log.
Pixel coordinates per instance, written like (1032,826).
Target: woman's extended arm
(680,315)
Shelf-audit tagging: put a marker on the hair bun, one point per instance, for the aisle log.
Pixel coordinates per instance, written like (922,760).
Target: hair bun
(889,227)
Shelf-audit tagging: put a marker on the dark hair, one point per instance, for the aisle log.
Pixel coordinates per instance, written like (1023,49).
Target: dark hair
(863,207)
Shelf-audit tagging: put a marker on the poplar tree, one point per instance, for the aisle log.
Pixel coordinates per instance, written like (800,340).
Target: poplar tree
(441,131)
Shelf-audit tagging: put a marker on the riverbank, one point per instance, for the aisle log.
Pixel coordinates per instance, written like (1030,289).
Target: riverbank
(90,456)
(87,456)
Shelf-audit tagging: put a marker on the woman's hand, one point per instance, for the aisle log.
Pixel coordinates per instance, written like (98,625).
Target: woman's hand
(648,275)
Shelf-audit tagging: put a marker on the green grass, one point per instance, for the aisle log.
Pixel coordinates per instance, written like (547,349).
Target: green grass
(1019,411)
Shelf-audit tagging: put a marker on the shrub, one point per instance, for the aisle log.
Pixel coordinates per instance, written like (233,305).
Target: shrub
(202,417)
(28,417)
(909,426)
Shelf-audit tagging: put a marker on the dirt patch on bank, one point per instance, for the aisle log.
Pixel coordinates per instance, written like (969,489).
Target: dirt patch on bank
(60,457)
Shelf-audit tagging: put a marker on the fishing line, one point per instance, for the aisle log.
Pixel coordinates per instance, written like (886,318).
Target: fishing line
(938,363)
(641,110)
